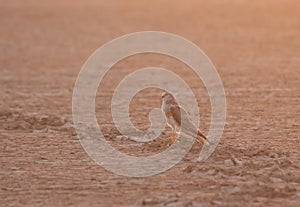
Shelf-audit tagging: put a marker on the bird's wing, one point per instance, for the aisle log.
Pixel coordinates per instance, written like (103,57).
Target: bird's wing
(183,119)
(176,113)
(188,127)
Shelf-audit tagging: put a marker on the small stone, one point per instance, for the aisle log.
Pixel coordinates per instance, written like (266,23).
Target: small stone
(188,169)
(14,168)
(228,162)
(234,160)
(217,202)
(236,189)
(179,204)
(149,201)
(122,137)
(275,180)
(211,172)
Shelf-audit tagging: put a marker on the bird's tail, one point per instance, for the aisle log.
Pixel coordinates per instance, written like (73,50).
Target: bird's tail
(202,138)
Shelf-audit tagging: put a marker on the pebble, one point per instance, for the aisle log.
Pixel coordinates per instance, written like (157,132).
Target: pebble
(122,137)
(236,189)
(211,172)
(275,180)
(228,162)
(149,201)
(179,204)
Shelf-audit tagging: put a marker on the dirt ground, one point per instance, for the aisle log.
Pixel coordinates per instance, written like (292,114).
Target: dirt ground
(255,47)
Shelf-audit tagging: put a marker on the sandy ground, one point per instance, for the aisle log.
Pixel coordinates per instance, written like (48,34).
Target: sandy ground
(255,48)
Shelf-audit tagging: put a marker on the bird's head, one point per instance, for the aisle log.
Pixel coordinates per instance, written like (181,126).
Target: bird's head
(166,96)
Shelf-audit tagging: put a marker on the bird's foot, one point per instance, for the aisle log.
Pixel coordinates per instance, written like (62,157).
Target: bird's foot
(173,138)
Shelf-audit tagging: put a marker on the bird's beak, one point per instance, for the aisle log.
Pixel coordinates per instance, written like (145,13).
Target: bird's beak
(163,94)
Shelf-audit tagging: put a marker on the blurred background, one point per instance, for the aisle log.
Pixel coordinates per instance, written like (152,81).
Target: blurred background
(255,47)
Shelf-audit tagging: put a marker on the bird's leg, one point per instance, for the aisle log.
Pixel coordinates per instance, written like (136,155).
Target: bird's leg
(172,139)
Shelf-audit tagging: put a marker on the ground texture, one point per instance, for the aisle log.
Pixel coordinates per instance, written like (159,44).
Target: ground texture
(255,48)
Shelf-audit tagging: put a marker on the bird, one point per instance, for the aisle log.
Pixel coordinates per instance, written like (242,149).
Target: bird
(178,119)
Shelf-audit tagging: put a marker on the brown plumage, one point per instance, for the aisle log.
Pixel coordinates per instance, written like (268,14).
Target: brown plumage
(178,118)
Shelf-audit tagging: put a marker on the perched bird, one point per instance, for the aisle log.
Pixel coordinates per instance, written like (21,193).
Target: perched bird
(178,118)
